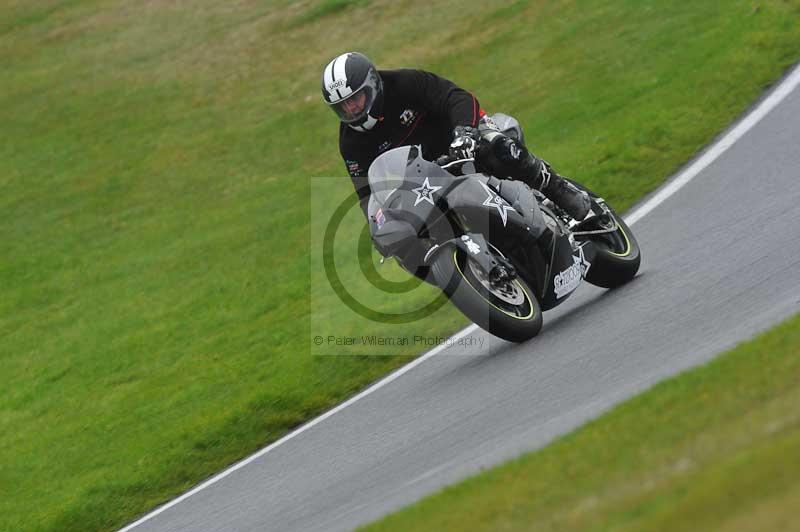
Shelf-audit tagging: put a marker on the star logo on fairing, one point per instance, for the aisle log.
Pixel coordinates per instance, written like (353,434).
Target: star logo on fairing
(585,264)
(424,193)
(494,200)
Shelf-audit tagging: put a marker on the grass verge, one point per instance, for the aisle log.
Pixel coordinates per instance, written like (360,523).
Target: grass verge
(154,258)
(715,448)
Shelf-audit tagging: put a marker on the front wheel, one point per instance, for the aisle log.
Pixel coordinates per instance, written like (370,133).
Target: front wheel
(509,310)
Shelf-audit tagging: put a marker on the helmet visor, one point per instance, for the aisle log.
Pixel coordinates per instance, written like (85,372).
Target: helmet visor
(356,106)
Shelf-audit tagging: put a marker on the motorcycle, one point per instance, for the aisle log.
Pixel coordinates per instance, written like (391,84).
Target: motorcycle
(500,251)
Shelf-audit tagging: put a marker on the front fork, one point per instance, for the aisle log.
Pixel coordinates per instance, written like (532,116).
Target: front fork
(497,269)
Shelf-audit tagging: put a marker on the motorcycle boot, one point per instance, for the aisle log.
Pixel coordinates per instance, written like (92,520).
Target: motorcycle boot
(570,198)
(537,174)
(508,157)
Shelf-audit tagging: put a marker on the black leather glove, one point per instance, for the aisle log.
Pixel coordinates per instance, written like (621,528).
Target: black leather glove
(506,158)
(465,142)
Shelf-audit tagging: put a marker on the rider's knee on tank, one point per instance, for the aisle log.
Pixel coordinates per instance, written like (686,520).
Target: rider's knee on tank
(505,157)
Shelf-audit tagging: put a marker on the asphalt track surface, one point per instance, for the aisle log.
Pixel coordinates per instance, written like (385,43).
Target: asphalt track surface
(721,262)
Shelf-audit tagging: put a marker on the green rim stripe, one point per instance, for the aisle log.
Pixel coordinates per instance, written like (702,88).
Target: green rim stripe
(627,242)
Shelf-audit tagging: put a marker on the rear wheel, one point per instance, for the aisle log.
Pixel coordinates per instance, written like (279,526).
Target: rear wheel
(509,310)
(618,256)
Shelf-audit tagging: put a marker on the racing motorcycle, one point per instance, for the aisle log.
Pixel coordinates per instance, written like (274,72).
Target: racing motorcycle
(500,251)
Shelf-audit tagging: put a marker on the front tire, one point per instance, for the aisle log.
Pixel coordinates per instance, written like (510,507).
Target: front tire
(510,311)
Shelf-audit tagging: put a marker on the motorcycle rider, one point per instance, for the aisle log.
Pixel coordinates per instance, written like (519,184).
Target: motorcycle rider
(385,109)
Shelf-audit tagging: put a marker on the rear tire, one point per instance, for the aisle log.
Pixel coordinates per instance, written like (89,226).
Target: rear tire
(617,259)
(510,311)
(618,255)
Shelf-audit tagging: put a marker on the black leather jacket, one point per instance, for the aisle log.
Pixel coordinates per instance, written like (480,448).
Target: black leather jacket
(419,108)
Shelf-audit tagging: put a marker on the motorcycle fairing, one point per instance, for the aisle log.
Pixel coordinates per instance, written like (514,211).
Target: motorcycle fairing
(422,201)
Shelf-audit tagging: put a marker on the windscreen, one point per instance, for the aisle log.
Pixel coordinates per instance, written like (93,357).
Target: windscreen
(389,171)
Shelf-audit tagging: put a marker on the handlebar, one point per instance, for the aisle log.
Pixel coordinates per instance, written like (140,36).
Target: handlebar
(446,162)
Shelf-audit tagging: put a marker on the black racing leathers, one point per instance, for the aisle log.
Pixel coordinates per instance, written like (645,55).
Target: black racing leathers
(420,108)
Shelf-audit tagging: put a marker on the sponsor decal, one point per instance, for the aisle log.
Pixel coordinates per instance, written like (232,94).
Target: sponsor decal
(385,146)
(335,85)
(514,150)
(380,218)
(472,246)
(353,167)
(408,116)
(568,280)
(425,192)
(494,200)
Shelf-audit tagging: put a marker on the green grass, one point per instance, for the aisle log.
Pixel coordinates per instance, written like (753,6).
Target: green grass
(155,221)
(327,7)
(715,448)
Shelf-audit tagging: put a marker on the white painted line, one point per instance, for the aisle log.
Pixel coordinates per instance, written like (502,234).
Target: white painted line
(720,147)
(381,383)
(783,90)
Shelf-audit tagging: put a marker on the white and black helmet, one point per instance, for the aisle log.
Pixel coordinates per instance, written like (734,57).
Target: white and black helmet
(353,88)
